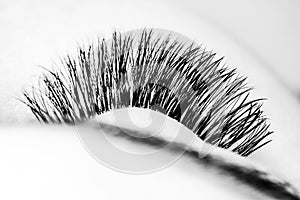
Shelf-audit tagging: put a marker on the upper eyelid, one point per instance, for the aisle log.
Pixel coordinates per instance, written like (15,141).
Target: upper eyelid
(40,49)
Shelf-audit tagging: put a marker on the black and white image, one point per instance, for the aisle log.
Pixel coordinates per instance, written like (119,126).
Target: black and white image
(149,99)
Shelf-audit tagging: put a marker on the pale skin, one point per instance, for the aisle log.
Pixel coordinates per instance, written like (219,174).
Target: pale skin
(52,163)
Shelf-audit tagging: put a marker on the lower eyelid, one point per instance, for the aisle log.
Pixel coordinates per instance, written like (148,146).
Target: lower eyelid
(51,153)
(219,165)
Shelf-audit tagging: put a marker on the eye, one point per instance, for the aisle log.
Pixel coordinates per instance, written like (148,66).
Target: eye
(182,79)
(163,72)
(26,41)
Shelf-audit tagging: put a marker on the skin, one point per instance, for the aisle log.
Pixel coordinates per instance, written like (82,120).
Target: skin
(50,162)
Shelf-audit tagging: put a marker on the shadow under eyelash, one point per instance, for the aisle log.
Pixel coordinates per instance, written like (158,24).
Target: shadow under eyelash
(183,80)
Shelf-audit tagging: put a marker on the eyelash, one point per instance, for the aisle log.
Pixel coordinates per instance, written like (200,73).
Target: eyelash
(160,71)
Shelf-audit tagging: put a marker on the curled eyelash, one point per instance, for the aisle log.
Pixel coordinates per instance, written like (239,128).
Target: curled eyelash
(183,80)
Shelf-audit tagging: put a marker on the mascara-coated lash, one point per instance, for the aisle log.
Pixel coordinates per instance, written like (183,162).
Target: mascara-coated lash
(183,80)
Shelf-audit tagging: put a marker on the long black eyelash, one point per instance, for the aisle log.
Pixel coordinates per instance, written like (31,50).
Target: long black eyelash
(183,80)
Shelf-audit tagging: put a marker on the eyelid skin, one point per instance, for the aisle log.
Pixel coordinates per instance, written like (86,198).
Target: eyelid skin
(41,36)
